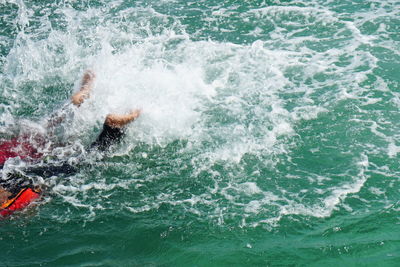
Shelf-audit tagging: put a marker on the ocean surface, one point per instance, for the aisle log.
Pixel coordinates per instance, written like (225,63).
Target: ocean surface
(269,134)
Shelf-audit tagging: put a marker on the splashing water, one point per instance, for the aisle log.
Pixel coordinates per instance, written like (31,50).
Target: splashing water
(268,134)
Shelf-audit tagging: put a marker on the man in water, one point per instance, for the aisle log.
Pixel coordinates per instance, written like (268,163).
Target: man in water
(16,189)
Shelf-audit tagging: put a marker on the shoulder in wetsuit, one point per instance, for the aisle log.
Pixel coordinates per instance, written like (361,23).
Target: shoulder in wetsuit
(108,136)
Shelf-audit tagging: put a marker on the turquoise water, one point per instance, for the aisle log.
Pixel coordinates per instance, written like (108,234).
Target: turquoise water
(269,136)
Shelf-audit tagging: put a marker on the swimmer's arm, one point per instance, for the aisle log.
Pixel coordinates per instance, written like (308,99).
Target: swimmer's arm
(86,87)
(120,120)
(76,99)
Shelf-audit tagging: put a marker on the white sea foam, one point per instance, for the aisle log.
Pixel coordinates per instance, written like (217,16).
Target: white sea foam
(225,101)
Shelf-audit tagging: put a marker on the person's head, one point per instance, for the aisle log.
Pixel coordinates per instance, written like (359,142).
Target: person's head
(4,194)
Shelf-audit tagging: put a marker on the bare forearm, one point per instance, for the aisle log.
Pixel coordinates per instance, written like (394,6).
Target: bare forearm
(86,86)
(120,120)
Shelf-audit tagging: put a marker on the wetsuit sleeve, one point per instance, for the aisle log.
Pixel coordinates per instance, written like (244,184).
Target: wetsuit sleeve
(50,170)
(16,181)
(107,137)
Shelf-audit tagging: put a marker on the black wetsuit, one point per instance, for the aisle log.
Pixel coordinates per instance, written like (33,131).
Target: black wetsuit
(107,137)
(15,181)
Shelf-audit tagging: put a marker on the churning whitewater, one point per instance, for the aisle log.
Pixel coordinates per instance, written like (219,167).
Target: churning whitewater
(269,132)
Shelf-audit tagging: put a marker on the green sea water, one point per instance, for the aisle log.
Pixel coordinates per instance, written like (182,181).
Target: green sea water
(269,134)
